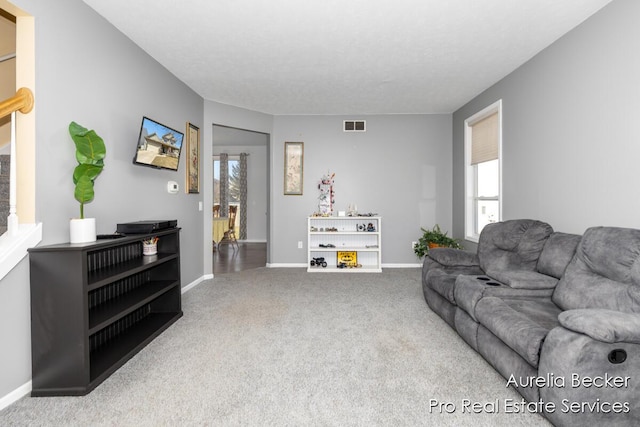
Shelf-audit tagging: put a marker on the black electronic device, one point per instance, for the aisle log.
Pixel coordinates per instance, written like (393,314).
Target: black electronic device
(146,227)
(109,236)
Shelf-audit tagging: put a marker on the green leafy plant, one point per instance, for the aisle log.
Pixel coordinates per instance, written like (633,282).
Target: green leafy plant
(90,153)
(434,238)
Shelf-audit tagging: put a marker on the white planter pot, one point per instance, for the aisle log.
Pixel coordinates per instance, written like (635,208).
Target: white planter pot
(82,230)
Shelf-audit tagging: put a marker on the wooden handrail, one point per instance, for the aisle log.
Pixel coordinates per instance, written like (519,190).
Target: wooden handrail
(22,101)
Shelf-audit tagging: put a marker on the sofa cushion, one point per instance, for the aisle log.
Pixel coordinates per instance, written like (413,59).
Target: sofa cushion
(605,272)
(557,253)
(524,279)
(521,323)
(513,244)
(470,289)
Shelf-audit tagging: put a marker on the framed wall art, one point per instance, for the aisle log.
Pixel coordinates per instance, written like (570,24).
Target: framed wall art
(293,168)
(193,159)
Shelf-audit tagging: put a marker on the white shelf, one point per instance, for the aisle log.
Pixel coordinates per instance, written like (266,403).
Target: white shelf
(363,269)
(329,233)
(346,235)
(345,249)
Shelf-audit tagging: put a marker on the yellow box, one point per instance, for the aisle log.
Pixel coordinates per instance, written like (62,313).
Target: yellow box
(348,258)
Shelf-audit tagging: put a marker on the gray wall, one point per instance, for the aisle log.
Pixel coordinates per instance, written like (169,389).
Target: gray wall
(89,72)
(15,329)
(570,146)
(400,168)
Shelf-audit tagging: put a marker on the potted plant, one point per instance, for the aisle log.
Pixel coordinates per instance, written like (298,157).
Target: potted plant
(90,153)
(434,238)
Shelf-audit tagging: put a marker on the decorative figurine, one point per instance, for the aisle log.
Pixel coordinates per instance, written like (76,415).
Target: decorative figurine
(318,262)
(325,206)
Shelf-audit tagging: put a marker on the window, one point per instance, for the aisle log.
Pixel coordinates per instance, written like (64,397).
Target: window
(483,170)
(234,180)
(234,193)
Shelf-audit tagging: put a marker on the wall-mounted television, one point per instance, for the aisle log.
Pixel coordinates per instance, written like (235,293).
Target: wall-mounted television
(159,146)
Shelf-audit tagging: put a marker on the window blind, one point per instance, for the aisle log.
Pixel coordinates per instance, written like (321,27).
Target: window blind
(484,139)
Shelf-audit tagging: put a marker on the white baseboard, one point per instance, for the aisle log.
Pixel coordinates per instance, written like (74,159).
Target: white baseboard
(401,265)
(15,395)
(196,282)
(287,265)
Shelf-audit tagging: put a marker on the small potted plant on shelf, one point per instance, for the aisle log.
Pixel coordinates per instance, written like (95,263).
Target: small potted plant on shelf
(90,153)
(434,238)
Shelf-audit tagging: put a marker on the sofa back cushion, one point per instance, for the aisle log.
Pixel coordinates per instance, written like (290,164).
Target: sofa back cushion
(557,253)
(605,272)
(512,245)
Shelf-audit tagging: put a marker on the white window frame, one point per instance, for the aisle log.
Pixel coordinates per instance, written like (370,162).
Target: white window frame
(471,171)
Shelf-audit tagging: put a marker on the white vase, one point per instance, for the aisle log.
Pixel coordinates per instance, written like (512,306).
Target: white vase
(82,230)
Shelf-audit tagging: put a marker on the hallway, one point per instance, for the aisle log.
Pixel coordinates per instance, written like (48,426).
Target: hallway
(228,259)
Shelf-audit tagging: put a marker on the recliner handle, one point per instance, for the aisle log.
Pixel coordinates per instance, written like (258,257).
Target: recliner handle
(617,356)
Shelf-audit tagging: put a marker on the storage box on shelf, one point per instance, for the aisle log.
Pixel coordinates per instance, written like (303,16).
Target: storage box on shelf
(95,305)
(329,235)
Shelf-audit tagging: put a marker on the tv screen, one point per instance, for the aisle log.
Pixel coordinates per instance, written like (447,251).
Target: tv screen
(159,146)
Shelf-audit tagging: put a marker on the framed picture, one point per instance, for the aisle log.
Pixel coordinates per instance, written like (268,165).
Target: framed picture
(193,159)
(293,168)
(348,258)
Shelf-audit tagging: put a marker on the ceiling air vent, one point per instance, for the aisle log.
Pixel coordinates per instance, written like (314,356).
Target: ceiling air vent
(355,126)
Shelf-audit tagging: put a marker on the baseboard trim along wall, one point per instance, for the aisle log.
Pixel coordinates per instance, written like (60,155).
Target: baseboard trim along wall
(15,395)
(196,282)
(286,265)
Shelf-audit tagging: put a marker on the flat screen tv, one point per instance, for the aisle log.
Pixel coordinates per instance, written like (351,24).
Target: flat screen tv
(158,146)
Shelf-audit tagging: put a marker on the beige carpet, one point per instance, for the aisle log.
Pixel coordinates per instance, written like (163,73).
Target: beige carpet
(283,347)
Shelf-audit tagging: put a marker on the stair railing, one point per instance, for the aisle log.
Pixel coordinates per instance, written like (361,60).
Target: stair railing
(22,101)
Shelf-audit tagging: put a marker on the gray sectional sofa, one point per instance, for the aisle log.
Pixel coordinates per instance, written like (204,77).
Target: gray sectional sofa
(557,314)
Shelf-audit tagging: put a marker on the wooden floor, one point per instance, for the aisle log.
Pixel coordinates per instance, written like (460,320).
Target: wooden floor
(228,259)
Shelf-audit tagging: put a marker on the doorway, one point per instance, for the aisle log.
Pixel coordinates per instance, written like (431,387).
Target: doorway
(251,226)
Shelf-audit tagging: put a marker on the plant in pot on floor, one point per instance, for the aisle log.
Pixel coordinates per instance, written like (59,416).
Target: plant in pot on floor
(434,238)
(90,153)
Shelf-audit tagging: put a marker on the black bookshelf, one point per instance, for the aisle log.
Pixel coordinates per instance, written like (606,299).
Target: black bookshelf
(95,305)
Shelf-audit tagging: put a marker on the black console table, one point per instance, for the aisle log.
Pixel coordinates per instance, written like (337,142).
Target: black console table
(95,305)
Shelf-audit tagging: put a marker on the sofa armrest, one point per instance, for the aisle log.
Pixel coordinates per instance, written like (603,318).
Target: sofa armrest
(450,257)
(589,375)
(603,325)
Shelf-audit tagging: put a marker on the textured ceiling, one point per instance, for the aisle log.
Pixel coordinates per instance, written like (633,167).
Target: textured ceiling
(343,56)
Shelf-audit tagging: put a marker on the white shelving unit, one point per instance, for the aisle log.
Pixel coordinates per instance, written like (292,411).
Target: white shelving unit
(329,235)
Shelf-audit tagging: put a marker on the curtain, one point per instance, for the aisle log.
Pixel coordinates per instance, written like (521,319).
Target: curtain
(484,139)
(243,196)
(224,184)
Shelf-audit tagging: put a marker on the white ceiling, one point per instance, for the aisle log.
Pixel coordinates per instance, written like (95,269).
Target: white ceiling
(343,56)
